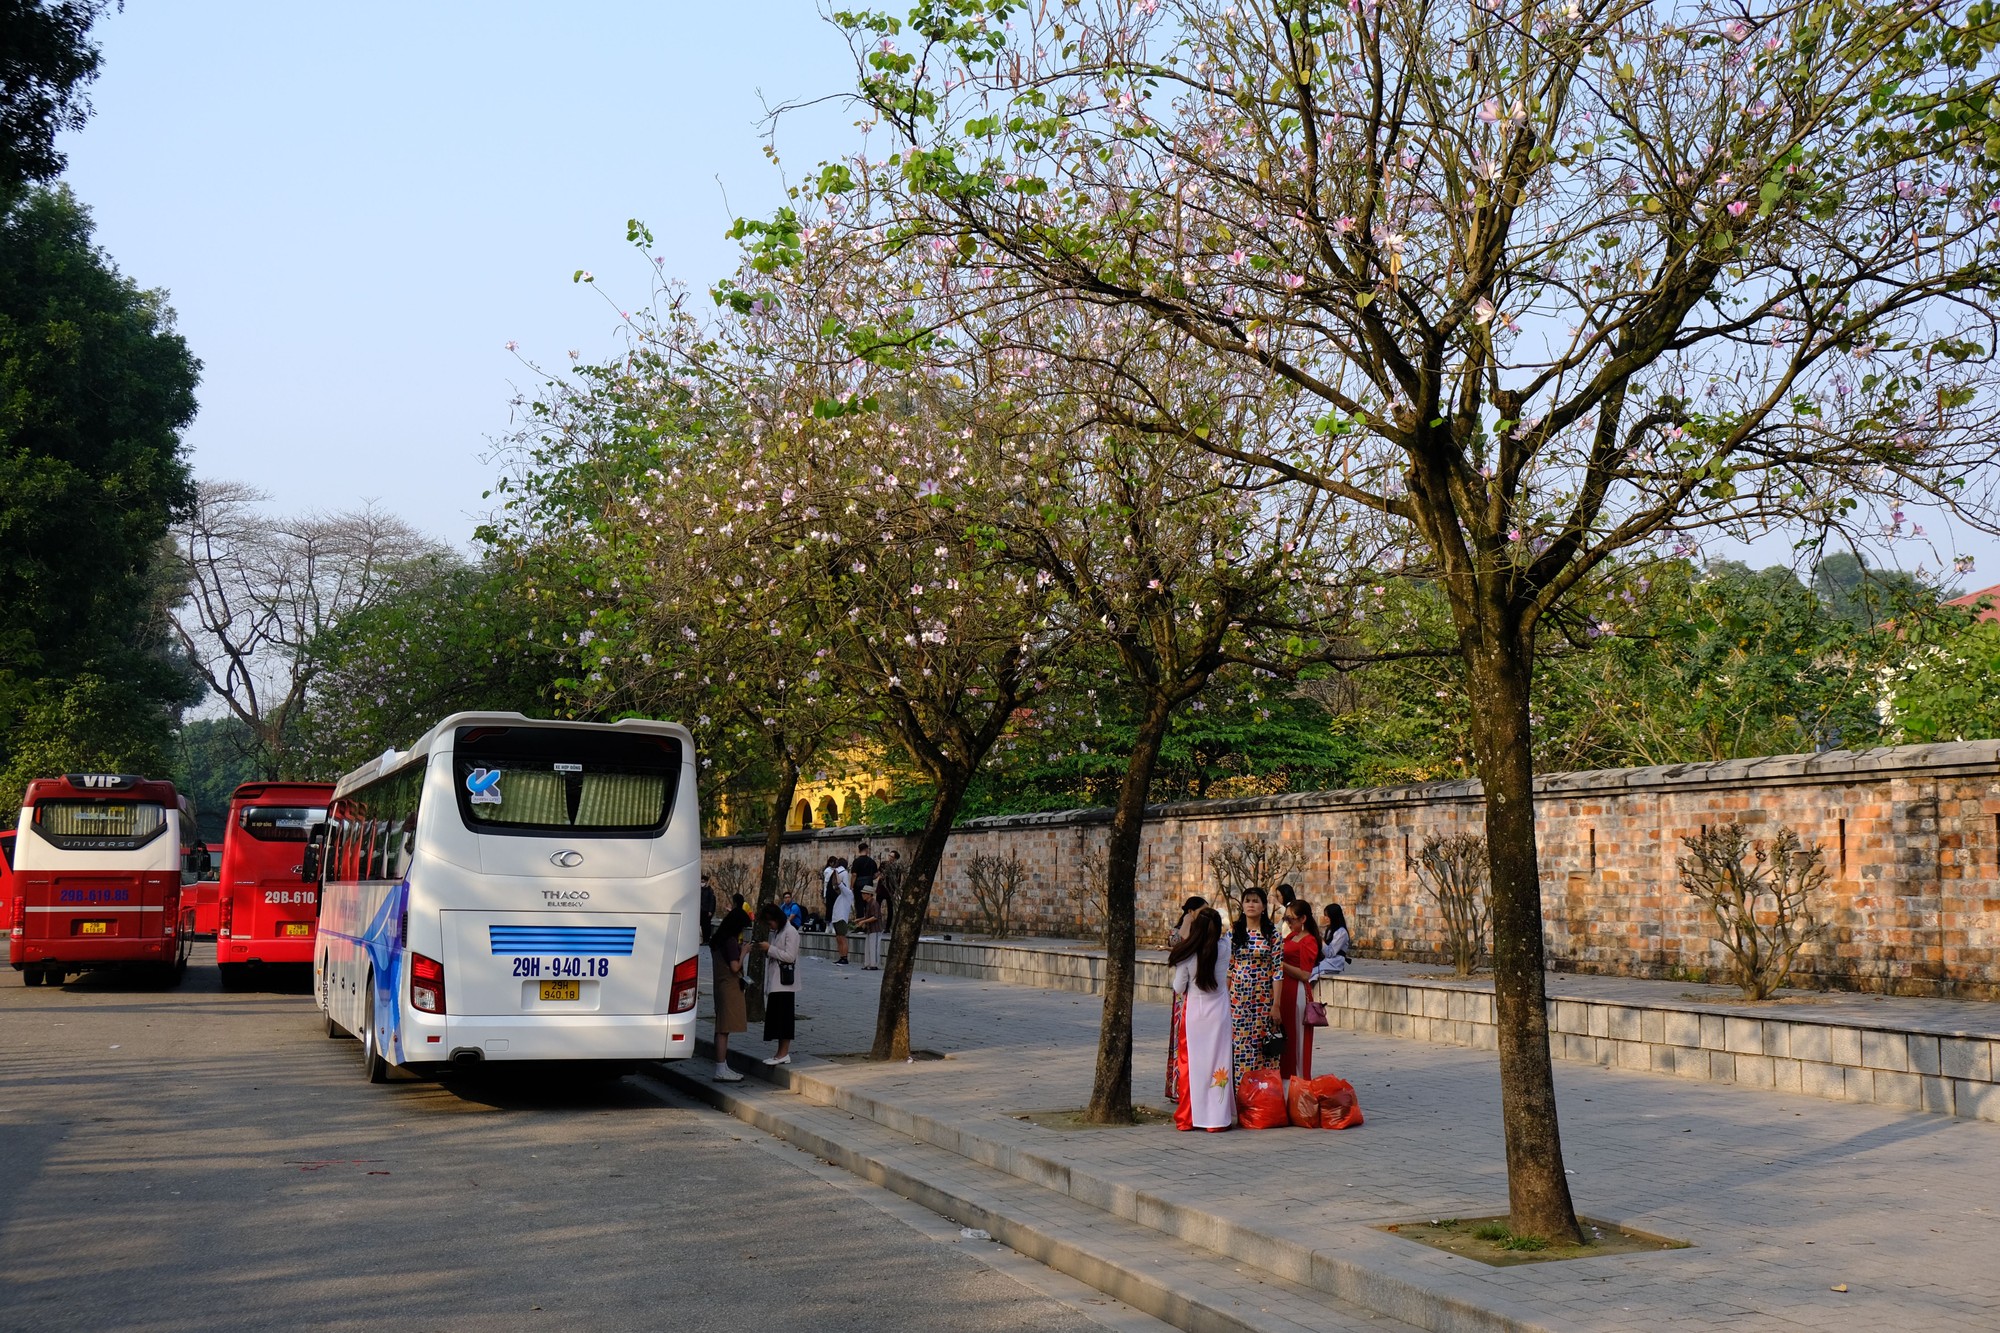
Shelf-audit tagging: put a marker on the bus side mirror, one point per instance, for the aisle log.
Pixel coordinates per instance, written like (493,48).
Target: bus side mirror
(315,848)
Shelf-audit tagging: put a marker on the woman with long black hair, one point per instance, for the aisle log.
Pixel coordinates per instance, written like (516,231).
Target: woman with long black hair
(1174,937)
(1201,1038)
(725,956)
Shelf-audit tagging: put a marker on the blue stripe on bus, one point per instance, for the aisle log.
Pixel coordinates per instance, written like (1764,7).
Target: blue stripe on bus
(610,941)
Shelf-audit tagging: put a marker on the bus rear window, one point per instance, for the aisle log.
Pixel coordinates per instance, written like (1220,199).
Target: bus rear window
(555,780)
(99,826)
(281,823)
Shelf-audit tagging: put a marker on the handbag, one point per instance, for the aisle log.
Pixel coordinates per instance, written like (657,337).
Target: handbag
(787,972)
(1315,1014)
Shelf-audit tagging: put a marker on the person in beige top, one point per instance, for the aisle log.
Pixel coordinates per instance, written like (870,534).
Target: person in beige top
(781,980)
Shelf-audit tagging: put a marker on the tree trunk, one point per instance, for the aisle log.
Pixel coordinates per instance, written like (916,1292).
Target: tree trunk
(1111,1089)
(767,887)
(906,923)
(1501,673)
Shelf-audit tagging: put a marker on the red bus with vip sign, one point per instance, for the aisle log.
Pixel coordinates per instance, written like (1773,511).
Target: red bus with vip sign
(265,913)
(96,879)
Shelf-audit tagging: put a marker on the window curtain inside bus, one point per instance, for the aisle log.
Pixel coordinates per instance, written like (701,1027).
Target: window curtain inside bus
(620,800)
(528,796)
(101,819)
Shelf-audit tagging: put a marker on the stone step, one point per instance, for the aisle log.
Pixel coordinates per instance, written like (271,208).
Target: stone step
(1170,1279)
(1367,1271)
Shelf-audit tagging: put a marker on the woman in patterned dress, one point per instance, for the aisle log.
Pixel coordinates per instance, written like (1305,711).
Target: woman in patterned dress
(1174,937)
(1254,957)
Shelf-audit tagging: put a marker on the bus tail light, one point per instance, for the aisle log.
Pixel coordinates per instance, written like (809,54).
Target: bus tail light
(19,925)
(685,984)
(225,913)
(427,984)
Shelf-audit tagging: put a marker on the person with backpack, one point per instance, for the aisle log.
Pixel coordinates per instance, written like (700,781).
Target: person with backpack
(840,915)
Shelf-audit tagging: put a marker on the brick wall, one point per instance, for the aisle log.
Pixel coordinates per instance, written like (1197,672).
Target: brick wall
(1910,837)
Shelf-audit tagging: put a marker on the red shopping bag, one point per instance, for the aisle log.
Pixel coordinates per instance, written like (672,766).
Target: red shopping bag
(1338,1107)
(1260,1100)
(1301,1103)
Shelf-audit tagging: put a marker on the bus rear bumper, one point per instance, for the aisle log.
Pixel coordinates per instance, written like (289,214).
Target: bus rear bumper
(296,950)
(80,953)
(554,1037)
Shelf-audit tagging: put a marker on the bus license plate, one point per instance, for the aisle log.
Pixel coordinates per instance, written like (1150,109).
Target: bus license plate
(562,990)
(93,927)
(295,928)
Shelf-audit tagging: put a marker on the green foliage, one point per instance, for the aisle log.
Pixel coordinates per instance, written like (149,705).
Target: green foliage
(213,756)
(450,637)
(1947,686)
(95,388)
(46,62)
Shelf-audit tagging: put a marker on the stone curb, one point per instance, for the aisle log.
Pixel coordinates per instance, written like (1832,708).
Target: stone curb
(1369,1281)
(1105,1269)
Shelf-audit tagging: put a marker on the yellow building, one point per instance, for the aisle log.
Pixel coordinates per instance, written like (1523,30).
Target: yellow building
(835,796)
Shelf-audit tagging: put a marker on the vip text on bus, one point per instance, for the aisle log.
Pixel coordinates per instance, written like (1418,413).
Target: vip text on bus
(264,914)
(510,890)
(97,878)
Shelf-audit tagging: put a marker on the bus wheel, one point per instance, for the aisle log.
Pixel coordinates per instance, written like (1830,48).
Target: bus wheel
(372,1063)
(231,975)
(54,976)
(31,976)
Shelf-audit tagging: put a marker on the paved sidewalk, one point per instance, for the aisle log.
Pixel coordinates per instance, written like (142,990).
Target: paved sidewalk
(1784,1197)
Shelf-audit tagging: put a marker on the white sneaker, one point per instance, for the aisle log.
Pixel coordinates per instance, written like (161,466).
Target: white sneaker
(777,1059)
(724,1074)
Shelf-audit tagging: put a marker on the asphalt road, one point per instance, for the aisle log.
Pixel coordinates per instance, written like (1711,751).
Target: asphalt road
(189,1159)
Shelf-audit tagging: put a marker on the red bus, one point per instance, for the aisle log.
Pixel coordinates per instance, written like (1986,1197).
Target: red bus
(97,878)
(265,913)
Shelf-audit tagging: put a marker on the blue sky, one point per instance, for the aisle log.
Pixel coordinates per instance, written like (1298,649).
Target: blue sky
(355,207)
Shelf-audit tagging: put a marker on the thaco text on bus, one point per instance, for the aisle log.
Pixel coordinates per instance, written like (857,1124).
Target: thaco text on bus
(512,890)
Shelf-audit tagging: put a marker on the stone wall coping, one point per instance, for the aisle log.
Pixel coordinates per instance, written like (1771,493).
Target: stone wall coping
(1945,759)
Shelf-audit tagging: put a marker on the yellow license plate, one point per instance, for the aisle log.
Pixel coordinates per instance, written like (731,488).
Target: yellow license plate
(293,928)
(562,990)
(93,927)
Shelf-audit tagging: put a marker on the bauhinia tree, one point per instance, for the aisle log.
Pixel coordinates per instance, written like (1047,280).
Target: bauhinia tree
(620,471)
(1565,282)
(1173,562)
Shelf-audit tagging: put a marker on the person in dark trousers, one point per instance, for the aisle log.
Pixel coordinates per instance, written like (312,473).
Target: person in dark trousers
(706,921)
(889,880)
(863,870)
(781,981)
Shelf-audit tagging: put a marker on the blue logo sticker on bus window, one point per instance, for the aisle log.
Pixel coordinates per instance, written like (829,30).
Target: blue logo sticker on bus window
(484,784)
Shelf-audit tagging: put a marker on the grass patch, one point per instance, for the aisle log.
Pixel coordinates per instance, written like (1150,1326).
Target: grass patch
(1491,1240)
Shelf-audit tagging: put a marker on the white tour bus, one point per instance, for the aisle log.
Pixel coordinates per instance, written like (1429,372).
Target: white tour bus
(512,889)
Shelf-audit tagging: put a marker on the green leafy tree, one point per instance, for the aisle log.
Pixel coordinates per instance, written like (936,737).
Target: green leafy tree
(95,389)
(47,60)
(444,636)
